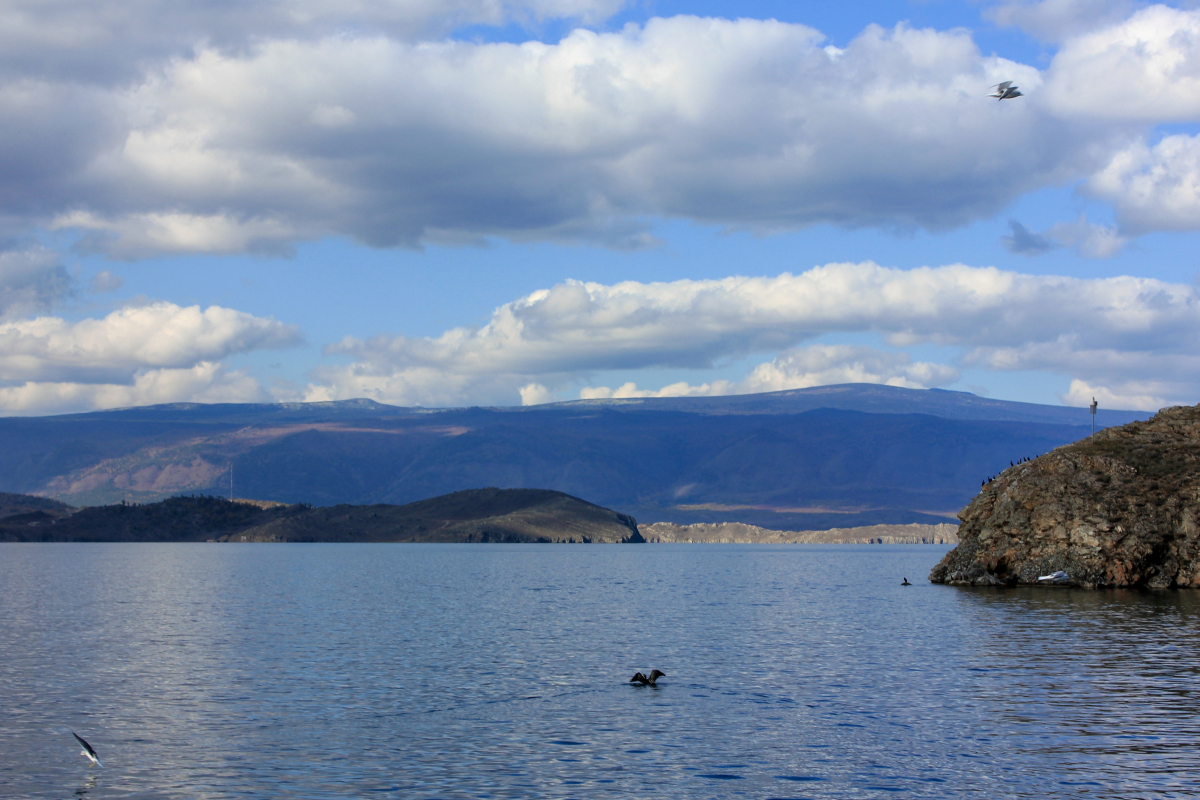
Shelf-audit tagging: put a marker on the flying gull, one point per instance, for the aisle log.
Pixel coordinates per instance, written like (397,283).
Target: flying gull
(1005,91)
(641,679)
(87,750)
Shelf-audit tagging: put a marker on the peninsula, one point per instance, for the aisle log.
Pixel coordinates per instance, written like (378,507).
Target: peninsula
(473,515)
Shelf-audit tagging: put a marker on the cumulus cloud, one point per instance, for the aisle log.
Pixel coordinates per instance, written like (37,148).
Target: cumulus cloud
(206,382)
(112,40)
(800,368)
(313,119)
(31,280)
(1144,69)
(133,355)
(1154,188)
(1104,331)
(746,123)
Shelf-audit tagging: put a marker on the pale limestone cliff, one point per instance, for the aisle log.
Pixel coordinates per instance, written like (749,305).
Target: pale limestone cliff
(738,533)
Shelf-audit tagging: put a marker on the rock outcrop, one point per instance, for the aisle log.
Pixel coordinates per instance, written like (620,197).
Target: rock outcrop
(1120,509)
(739,533)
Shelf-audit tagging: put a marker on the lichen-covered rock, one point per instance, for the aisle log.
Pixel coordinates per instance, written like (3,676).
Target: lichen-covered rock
(1120,509)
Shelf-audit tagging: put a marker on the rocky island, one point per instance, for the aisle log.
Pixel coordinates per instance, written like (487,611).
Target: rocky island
(1119,509)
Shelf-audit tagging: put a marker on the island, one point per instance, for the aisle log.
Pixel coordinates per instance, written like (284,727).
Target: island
(1118,509)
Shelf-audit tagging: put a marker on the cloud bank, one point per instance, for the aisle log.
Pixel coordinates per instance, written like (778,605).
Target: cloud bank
(360,130)
(1114,335)
(133,356)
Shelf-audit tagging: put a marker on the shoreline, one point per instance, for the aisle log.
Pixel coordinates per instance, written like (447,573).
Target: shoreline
(740,533)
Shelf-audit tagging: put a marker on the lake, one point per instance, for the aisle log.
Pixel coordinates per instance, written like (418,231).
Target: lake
(500,671)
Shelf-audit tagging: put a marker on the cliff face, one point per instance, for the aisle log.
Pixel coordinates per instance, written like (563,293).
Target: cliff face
(1117,510)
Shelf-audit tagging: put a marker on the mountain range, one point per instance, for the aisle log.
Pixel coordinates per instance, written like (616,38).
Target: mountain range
(807,459)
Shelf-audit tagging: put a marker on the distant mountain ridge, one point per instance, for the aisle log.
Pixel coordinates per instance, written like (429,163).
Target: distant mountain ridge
(838,456)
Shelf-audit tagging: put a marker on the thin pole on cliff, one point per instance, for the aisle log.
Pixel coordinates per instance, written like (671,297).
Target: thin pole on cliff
(1093,418)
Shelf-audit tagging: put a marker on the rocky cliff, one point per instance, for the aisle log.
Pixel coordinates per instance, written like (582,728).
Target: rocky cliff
(1119,509)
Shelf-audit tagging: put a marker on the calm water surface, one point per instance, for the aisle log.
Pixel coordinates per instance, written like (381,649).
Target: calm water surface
(499,671)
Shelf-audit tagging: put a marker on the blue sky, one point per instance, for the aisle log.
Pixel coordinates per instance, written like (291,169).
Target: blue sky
(477,202)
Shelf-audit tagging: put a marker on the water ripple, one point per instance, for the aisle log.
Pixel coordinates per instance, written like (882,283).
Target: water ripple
(500,671)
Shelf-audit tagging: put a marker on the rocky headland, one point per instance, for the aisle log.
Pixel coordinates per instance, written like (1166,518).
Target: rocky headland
(1116,510)
(738,533)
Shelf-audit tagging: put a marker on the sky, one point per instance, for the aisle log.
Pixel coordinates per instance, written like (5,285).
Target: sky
(507,202)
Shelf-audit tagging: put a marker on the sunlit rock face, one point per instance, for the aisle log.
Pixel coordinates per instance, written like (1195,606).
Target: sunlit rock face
(1116,510)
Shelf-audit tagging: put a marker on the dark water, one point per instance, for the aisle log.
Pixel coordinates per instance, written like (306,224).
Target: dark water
(498,671)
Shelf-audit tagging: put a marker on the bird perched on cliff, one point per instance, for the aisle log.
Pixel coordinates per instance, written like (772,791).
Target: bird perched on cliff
(87,750)
(1005,91)
(642,680)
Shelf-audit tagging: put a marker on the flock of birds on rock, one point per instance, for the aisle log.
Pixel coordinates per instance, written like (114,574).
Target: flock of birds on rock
(1019,462)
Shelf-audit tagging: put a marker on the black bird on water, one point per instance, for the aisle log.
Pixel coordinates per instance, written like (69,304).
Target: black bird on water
(906,583)
(87,750)
(642,680)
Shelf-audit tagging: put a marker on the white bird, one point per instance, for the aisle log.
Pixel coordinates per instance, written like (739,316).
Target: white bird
(1054,576)
(1005,91)
(87,750)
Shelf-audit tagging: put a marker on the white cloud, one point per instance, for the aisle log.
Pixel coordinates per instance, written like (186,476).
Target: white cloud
(317,119)
(112,40)
(831,364)
(154,127)
(535,394)
(128,342)
(1145,395)
(1145,69)
(206,382)
(745,123)
(1154,188)
(1104,331)
(800,368)
(141,235)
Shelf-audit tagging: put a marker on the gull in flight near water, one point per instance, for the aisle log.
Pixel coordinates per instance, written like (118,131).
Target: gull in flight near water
(642,680)
(87,750)
(1005,91)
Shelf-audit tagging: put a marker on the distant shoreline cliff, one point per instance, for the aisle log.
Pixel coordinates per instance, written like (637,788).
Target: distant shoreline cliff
(737,533)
